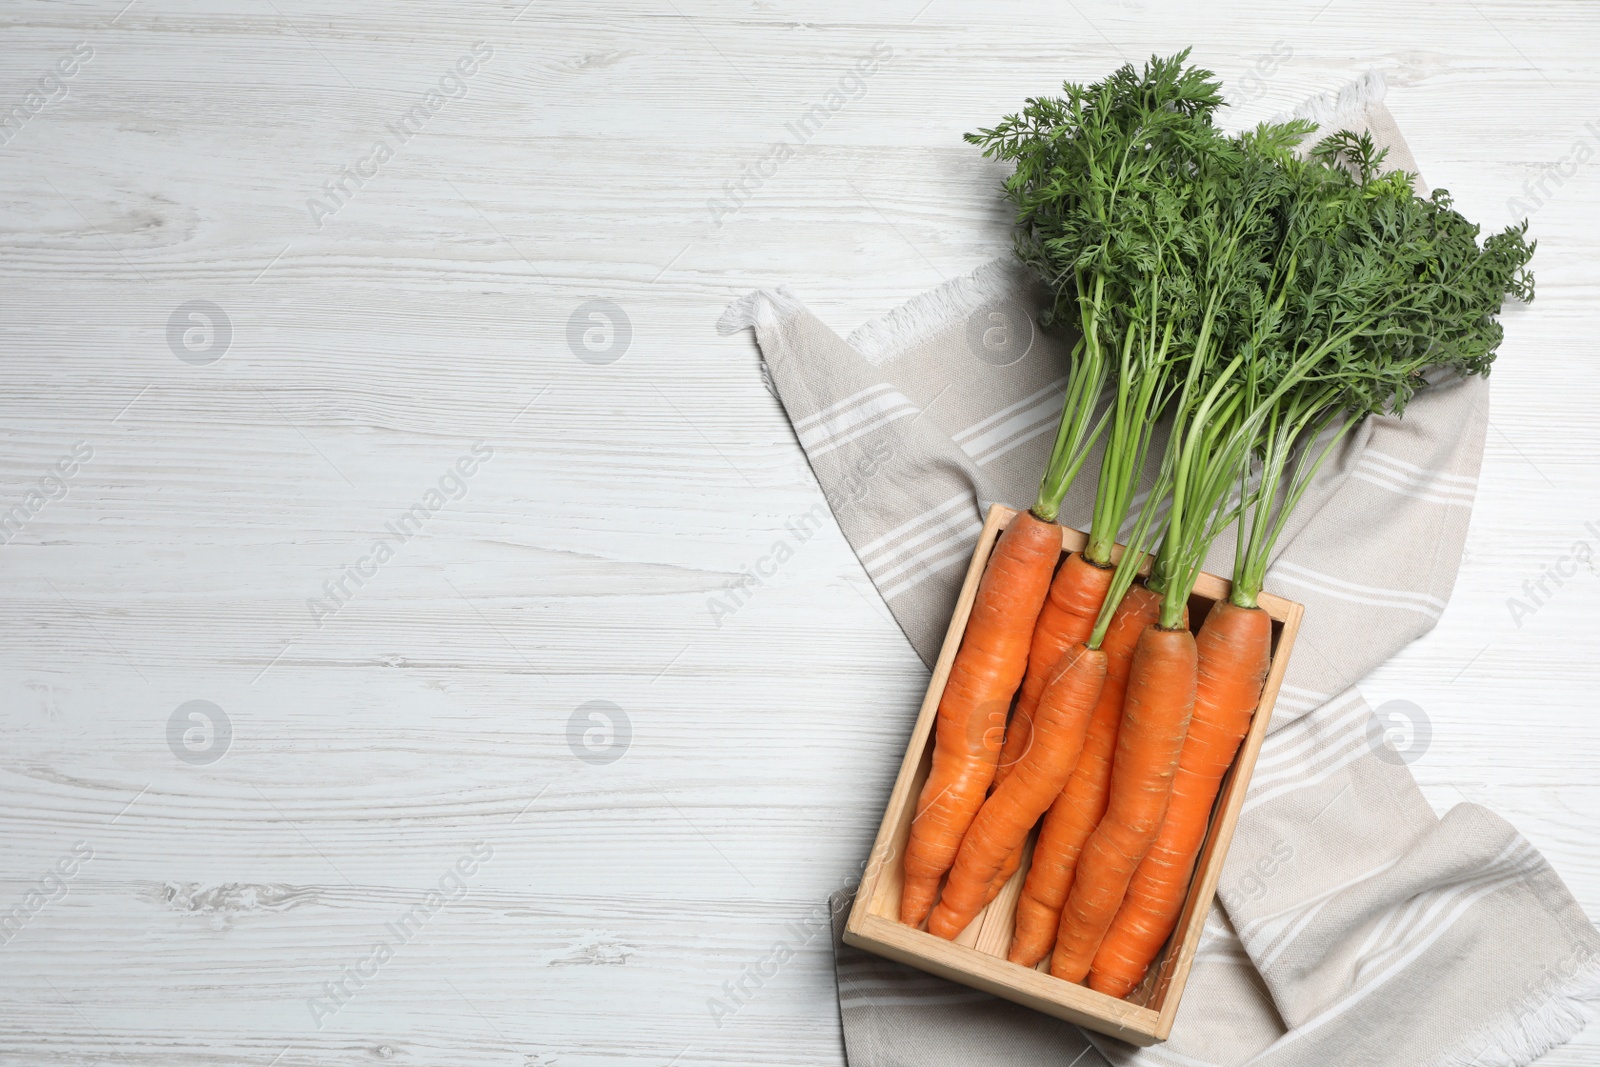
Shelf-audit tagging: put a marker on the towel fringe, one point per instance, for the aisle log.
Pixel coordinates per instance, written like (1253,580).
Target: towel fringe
(1543,1020)
(761,309)
(882,339)
(1335,110)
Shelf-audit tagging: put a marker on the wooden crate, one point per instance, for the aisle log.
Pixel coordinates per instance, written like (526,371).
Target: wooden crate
(977,957)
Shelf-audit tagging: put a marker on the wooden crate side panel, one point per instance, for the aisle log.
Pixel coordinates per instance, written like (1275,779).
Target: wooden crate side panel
(1032,989)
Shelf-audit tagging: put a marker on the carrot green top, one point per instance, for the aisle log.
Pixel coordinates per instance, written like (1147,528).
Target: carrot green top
(1380,286)
(1100,186)
(1260,299)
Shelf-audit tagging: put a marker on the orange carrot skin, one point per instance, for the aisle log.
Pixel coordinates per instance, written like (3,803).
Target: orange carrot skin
(1067,619)
(1002,824)
(1007,871)
(1076,812)
(1234,649)
(1155,720)
(984,676)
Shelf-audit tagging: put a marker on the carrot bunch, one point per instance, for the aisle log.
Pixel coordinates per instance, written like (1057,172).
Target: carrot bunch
(1371,287)
(1263,303)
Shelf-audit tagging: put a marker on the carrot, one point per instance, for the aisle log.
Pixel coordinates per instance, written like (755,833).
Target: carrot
(1155,718)
(1075,813)
(1061,720)
(984,676)
(1007,871)
(1234,648)
(1066,620)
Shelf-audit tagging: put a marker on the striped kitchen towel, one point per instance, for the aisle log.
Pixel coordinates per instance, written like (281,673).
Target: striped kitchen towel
(1356,926)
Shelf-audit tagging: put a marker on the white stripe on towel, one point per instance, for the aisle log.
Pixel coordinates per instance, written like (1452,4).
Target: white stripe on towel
(919,1000)
(860,420)
(1301,699)
(1413,486)
(1413,951)
(1020,423)
(1280,929)
(1355,592)
(801,425)
(963,436)
(872,547)
(960,536)
(1291,747)
(958,521)
(964,551)
(1346,755)
(1419,473)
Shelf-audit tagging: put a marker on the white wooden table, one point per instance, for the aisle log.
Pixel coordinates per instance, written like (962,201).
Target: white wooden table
(393,712)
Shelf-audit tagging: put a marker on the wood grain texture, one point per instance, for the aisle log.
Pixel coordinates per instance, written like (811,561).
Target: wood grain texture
(431,312)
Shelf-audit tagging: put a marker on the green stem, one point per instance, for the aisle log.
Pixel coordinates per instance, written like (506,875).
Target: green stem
(1078,429)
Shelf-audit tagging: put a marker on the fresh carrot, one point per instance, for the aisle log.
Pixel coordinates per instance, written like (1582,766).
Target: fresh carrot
(983,678)
(1066,620)
(1002,824)
(1234,649)
(1077,810)
(1155,718)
